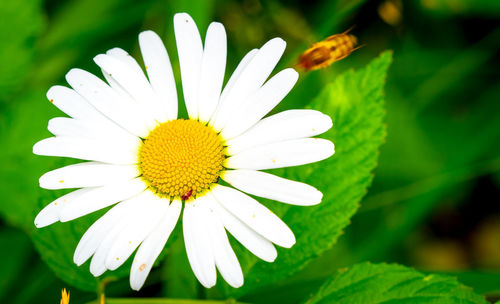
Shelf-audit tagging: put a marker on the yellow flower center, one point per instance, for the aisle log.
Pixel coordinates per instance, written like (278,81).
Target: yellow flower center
(181,158)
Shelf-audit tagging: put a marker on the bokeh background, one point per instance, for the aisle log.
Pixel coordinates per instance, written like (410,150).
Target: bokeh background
(435,200)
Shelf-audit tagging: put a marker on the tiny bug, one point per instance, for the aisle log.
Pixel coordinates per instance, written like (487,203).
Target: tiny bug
(323,53)
(187,195)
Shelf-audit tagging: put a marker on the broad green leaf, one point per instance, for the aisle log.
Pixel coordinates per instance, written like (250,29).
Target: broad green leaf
(483,281)
(355,100)
(382,283)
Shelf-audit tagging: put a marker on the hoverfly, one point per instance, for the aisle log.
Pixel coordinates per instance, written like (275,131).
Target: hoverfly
(323,53)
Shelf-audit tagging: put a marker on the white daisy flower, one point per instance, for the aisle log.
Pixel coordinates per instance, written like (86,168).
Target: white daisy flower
(149,163)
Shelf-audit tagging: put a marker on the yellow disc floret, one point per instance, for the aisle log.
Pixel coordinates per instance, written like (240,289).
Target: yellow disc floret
(181,158)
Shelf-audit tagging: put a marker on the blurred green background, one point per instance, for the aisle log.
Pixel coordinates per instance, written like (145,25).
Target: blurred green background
(435,200)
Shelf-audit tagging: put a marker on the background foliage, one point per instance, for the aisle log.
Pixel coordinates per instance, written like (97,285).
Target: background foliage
(428,122)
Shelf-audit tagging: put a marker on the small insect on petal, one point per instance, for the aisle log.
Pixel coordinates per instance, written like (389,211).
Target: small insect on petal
(323,53)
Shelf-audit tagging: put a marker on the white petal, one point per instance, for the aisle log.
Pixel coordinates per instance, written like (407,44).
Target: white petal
(237,72)
(152,246)
(255,215)
(286,125)
(225,259)
(253,241)
(101,197)
(93,237)
(88,174)
(63,126)
(50,214)
(135,84)
(197,242)
(97,265)
(229,85)
(250,79)
(87,149)
(97,129)
(47,216)
(117,87)
(273,187)
(153,209)
(190,50)
(159,71)
(128,60)
(130,116)
(72,103)
(288,153)
(213,66)
(260,103)
(98,262)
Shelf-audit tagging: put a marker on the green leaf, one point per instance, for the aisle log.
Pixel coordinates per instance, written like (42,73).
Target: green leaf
(483,281)
(355,100)
(381,283)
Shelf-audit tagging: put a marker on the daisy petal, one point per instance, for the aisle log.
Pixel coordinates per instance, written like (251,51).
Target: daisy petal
(213,66)
(153,209)
(129,116)
(197,241)
(261,103)
(237,72)
(72,103)
(128,60)
(98,262)
(282,154)
(63,126)
(159,71)
(273,187)
(152,246)
(88,174)
(47,216)
(135,84)
(255,215)
(286,125)
(117,87)
(101,197)
(190,50)
(230,83)
(50,214)
(225,259)
(87,149)
(250,80)
(93,237)
(253,241)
